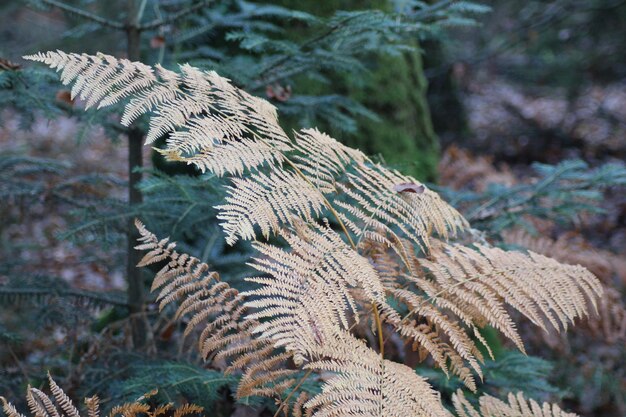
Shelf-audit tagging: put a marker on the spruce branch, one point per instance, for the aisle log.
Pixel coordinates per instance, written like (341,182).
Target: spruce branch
(157,23)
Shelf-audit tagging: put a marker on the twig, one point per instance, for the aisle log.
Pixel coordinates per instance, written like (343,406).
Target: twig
(84,14)
(157,23)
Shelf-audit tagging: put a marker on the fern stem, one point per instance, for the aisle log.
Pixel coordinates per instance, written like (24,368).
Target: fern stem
(285,402)
(379,329)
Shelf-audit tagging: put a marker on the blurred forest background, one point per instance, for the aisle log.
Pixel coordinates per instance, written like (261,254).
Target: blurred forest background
(514,111)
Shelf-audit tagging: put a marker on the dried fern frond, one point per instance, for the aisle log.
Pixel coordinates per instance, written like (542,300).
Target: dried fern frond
(268,201)
(218,127)
(323,159)
(308,286)
(206,300)
(232,158)
(218,310)
(198,111)
(517,406)
(100,76)
(59,404)
(365,385)
(459,290)
(306,302)
(610,320)
(383,199)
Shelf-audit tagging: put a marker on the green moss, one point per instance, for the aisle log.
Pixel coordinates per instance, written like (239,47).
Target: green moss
(395,90)
(404,137)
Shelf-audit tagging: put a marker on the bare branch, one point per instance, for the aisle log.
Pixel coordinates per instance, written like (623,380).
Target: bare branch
(84,14)
(176,16)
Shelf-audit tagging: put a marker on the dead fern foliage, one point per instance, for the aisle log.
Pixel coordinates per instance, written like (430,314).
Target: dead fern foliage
(609,322)
(312,292)
(222,129)
(308,286)
(60,405)
(463,289)
(268,201)
(203,112)
(377,202)
(218,311)
(518,406)
(363,385)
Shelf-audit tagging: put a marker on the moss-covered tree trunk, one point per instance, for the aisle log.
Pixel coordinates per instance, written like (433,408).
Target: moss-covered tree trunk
(396,91)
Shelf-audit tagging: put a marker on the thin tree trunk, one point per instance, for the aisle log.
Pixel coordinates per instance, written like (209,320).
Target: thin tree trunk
(135,290)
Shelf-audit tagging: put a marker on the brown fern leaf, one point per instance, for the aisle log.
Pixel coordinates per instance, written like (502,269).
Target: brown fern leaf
(477,285)
(430,330)
(129,410)
(305,304)
(42,405)
(610,320)
(187,409)
(62,399)
(365,385)
(435,333)
(269,202)
(459,290)
(376,203)
(232,158)
(186,278)
(517,406)
(93,406)
(219,311)
(10,410)
(314,277)
(199,111)
(323,159)
(99,76)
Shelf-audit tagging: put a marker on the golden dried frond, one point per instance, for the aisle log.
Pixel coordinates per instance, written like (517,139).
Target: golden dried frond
(365,385)
(309,287)
(62,399)
(383,199)
(433,332)
(60,405)
(269,201)
(203,298)
(306,302)
(100,76)
(9,409)
(209,108)
(200,112)
(517,406)
(610,320)
(129,410)
(458,290)
(323,159)
(93,406)
(218,310)
(485,279)
(232,158)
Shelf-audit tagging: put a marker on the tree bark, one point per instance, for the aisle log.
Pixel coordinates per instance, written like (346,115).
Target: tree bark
(135,291)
